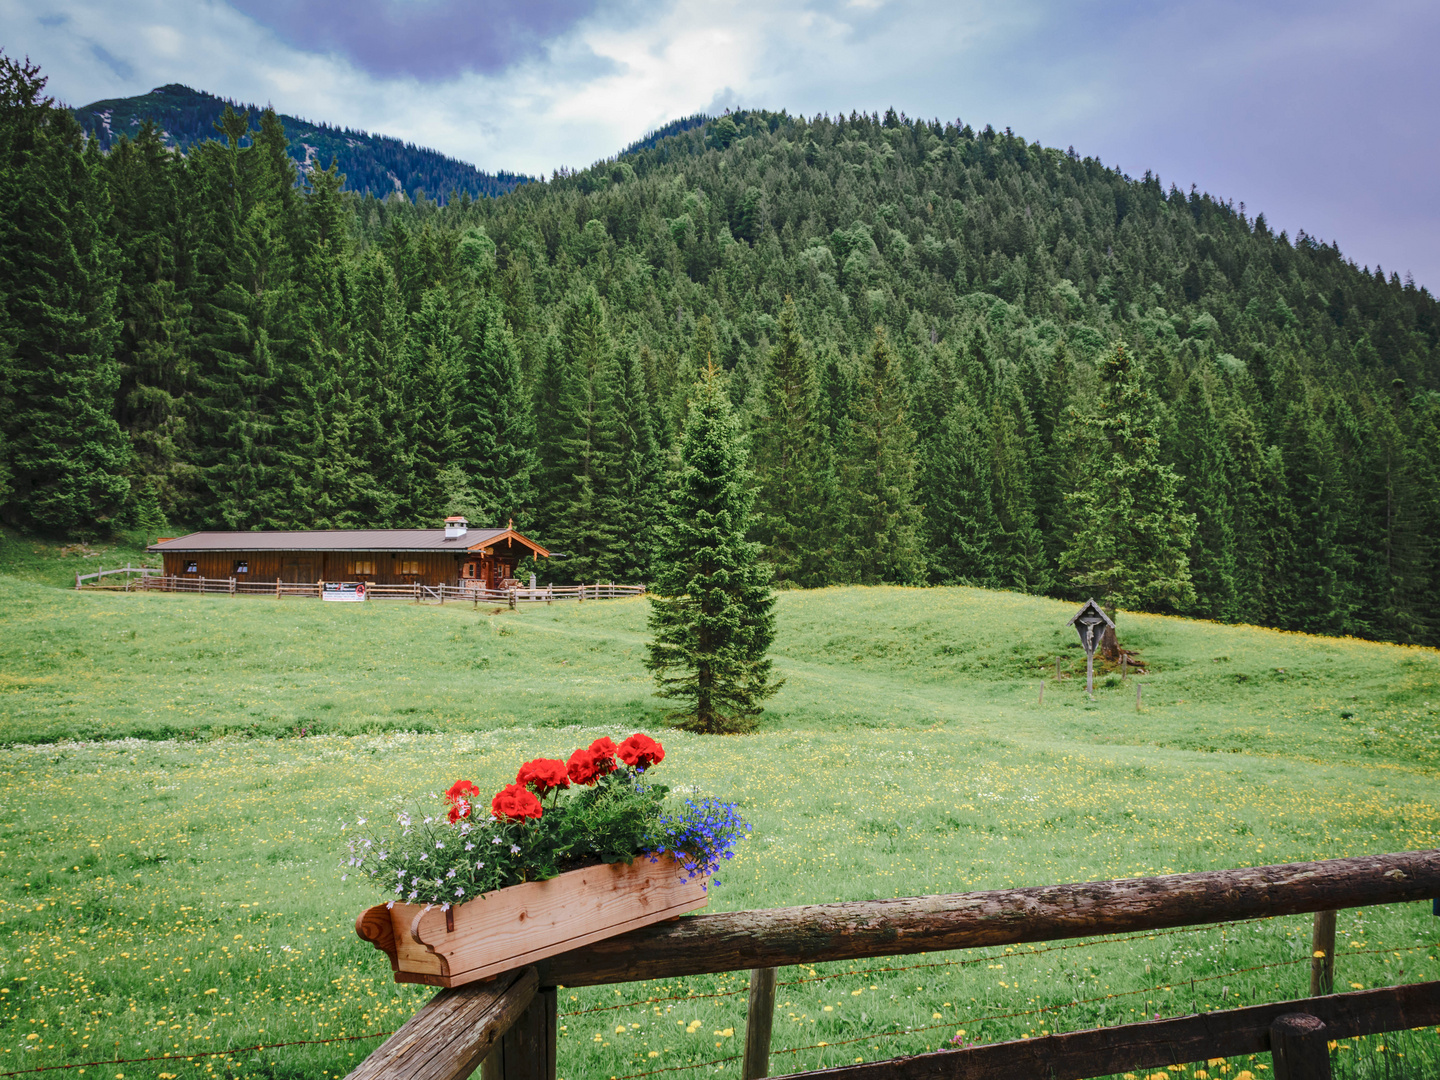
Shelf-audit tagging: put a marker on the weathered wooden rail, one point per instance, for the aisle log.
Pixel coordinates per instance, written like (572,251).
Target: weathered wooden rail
(414,592)
(98,578)
(1294,1031)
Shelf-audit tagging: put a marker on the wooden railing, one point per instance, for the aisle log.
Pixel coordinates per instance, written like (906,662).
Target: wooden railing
(414,592)
(511,1023)
(97,579)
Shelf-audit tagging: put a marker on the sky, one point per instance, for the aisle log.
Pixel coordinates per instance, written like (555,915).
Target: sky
(1322,115)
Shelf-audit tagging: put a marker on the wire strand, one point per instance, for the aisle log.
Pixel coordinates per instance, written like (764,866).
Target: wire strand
(1012,1015)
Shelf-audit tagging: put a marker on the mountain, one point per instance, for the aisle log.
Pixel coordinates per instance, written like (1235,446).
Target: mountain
(958,356)
(373,164)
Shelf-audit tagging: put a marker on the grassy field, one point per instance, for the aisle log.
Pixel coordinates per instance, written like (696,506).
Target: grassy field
(176,770)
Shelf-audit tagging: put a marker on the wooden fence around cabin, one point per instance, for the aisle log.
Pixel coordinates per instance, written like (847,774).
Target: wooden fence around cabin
(509,1024)
(153,580)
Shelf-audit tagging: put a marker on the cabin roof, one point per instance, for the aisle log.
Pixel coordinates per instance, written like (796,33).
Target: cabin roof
(346,540)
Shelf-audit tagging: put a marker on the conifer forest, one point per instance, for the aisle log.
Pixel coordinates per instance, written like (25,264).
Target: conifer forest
(953,357)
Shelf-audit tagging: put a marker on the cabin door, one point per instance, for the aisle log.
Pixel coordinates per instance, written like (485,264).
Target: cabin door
(298,572)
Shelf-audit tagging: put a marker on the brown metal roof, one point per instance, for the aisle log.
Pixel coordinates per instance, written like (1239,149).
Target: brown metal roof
(344,540)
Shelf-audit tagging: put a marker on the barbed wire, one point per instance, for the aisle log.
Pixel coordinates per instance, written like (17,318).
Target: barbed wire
(197,1054)
(792,1050)
(881,1036)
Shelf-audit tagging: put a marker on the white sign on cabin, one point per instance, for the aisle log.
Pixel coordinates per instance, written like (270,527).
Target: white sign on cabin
(344,590)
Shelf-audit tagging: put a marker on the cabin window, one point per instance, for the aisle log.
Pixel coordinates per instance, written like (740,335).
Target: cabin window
(409,566)
(363,566)
(192,567)
(242,566)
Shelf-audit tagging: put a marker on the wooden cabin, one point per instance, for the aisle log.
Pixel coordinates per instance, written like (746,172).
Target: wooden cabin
(452,555)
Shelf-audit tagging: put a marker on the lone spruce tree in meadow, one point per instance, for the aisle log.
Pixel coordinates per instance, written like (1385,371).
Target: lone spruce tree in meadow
(711,608)
(1132,540)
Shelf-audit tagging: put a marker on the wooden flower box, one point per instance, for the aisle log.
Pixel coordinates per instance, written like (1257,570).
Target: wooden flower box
(512,927)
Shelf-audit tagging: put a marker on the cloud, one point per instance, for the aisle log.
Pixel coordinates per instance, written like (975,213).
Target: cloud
(431,41)
(114,63)
(1317,112)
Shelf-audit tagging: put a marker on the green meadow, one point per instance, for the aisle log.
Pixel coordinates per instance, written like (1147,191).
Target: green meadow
(176,771)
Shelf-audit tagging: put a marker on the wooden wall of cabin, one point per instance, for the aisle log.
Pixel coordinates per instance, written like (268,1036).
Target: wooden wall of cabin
(381,567)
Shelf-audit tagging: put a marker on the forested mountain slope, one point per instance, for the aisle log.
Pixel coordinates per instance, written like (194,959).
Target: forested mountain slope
(374,164)
(958,356)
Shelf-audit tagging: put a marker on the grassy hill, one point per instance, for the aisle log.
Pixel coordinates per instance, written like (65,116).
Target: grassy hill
(185,850)
(374,164)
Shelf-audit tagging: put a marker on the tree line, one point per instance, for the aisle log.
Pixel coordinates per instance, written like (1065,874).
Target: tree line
(370,163)
(954,356)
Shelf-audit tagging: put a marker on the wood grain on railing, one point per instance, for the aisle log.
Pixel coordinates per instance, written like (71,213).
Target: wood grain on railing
(452,1033)
(780,937)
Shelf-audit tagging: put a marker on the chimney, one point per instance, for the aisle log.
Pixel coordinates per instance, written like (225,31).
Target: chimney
(455,527)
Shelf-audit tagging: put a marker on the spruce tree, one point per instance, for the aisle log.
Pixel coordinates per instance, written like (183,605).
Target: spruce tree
(1132,545)
(956,487)
(879,477)
(432,368)
(67,457)
(150,228)
(584,447)
(494,423)
(1019,548)
(711,608)
(1200,454)
(787,447)
(378,424)
(632,489)
(243,324)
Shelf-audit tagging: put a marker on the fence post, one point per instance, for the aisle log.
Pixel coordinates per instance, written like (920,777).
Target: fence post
(277,588)
(1298,1047)
(1322,954)
(759,1018)
(527,1050)
(77,581)
(232,588)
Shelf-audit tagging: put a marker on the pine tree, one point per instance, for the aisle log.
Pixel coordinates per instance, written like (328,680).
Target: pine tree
(1132,545)
(494,423)
(711,608)
(1205,493)
(584,448)
(956,484)
(626,504)
(67,457)
(787,450)
(432,368)
(1019,548)
(150,229)
(243,311)
(324,459)
(879,477)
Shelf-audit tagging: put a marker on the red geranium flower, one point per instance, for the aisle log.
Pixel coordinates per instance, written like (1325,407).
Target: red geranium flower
(461,789)
(543,775)
(581,767)
(602,752)
(460,808)
(641,751)
(515,802)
